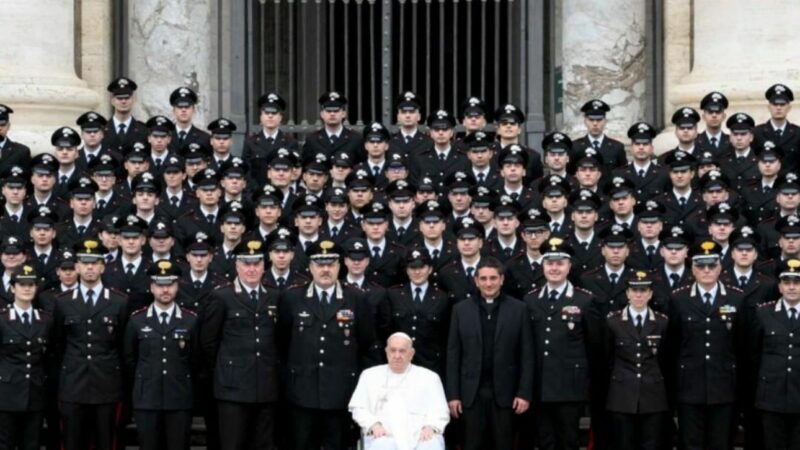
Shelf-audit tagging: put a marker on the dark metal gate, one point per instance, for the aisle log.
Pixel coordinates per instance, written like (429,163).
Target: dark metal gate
(371,50)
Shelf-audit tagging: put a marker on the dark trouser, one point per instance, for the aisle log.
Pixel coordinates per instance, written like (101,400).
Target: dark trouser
(487,425)
(163,430)
(246,425)
(312,428)
(753,429)
(20,430)
(206,406)
(557,425)
(706,427)
(637,431)
(781,431)
(52,416)
(81,421)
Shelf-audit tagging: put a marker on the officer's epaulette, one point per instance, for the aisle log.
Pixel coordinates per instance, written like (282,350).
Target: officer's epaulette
(660,314)
(733,288)
(682,288)
(115,291)
(615,313)
(224,284)
(3,310)
(580,289)
(139,311)
(763,305)
(189,311)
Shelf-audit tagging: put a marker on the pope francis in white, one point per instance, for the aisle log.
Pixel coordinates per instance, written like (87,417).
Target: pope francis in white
(400,406)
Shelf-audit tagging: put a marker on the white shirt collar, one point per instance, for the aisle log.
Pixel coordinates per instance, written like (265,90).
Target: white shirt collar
(136,262)
(702,292)
(267,135)
(85,290)
(423,289)
(776,128)
(21,311)
(127,123)
(331,290)
(158,311)
(201,279)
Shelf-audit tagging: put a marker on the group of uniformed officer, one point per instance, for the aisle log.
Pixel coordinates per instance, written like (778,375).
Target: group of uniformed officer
(151,274)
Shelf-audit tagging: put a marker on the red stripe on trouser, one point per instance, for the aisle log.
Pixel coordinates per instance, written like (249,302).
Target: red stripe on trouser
(117,417)
(590,444)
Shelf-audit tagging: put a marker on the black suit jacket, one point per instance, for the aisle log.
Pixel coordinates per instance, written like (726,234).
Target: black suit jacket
(427,164)
(238,338)
(654,182)
(703,144)
(612,151)
(22,360)
(161,360)
(136,288)
(521,277)
(609,297)
(512,374)
(88,340)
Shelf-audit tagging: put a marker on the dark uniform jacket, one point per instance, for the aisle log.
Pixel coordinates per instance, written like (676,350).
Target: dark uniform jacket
(654,182)
(196,297)
(427,164)
(522,276)
(789,142)
(137,132)
(23,350)
(325,346)
(612,151)
(257,152)
(161,358)
(89,340)
(68,234)
(609,297)
(426,322)
(418,143)
(512,373)
(637,384)
(703,144)
(739,171)
(238,338)
(638,257)
(677,215)
(193,136)
(758,202)
(707,344)
(186,205)
(565,332)
(136,287)
(346,230)
(775,350)
(388,269)
(453,279)
(14,154)
(349,141)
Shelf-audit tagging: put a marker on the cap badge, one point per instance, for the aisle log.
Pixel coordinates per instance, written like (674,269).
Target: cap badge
(164,266)
(253,246)
(707,246)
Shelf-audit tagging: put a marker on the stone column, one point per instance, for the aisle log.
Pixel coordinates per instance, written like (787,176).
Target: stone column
(172,43)
(742,65)
(97,48)
(37,76)
(603,56)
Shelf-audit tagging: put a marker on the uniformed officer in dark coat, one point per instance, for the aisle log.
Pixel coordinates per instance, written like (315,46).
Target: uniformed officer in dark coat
(128,273)
(238,337)
(490,361)
(645,249)
(82,223)
(334,136)
(409,139)
(685,120)
(65,141)
(25,336)
(681,201)
(649,177)
(706,344)
(608,282)
(105,171)
(637,393)
(44,253)
(327,335)
(386,257)
(260,147)
(740,163)
(524,272)
(775,352)
(611,150)
(778,129)
(713,139)
(421,310)
(758,196)
(458,277)
(14,214)
(161,354)
(123,129)
(510,119)
(566,333)
(183,101)
(92,125)
(11,153)
(44,168)
(89,326)
(440,161)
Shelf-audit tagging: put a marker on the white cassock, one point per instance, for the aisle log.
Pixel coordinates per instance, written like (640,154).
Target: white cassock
(403,403)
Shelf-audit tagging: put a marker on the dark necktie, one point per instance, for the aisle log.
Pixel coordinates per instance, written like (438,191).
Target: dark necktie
(158,163)
(90,157)
(229,255)
(707,298)
(535,266)
(651,252)
(198,285)
(81,229)
(514,196)
(270,141)
(682,201)
(210,218)
(376,252)
(554,227)
(553,295)
(713,142)
(435,254)
(14,218)
(507,252)
(334,231)
(101,204)
(792,314)
(129,269)
(596,145)
(281,281)
(254,295)
(641,173)
(325,300)
(121,129)
(625,225)
(174,200)
(334,138)
(742,281)
(585,245)
(43,259)
(481,177)
(164,316)
(401,231)
(418,295)
(767,189)
(90,297)
(376,170)
(182,135)
(63,179)
(109,258)
(470,272)
(442,156)
(674,277)
(613,277)
(639,323)
(26,319)
(779,133)
(740,159)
